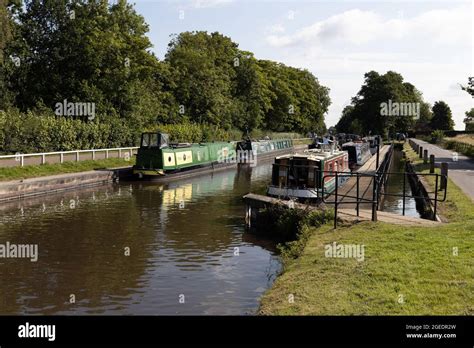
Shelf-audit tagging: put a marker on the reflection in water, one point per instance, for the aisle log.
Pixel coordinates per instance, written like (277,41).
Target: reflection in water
(395,186)
(186,241)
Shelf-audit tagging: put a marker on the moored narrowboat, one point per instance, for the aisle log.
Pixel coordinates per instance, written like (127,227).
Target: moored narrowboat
(157,156)
(359,153)
(302,176)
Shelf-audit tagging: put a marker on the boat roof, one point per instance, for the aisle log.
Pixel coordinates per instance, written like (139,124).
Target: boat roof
(313,155)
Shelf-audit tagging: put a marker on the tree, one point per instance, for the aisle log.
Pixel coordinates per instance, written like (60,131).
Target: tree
(423,123)
(470,86)
(378,93)
(203,71)
(469,120)
(88,51)
(442,118)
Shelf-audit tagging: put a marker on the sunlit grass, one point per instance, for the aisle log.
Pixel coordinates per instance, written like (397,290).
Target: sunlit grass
(15,173)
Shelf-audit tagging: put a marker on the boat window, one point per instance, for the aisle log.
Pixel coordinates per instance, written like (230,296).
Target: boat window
(145,140)
(153,140)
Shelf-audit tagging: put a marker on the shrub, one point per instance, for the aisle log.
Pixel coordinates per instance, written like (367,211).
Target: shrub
(437,136)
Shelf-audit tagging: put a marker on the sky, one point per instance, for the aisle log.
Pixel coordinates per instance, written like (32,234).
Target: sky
(429,42)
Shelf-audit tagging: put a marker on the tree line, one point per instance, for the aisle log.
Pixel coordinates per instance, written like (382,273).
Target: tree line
(386,105)
(89,51)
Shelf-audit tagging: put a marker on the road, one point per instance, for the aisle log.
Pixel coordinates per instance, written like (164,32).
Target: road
(461,171)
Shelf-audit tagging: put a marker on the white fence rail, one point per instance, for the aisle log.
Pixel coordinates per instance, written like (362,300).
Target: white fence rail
(20,157)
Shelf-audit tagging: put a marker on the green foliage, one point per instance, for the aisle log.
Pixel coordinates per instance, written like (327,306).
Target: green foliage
(291,226)
(437,136)
(469,120)
(442,117)
(465,149)
(41,131)
(96,52)
(470,86)
(364,114)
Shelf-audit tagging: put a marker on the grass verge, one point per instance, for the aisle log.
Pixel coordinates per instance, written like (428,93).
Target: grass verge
(17,173)
(405,271)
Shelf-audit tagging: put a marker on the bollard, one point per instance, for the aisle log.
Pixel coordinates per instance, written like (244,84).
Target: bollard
(425,156)
(444,175)
(432,164)
(421,152)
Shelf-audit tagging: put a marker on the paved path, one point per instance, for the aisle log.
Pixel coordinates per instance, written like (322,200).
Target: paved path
(348,192)
(461,171)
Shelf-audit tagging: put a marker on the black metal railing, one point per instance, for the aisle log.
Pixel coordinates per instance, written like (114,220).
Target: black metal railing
(376,181)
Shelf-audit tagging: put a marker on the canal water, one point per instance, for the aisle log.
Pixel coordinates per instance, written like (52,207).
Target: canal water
(139,248)
(394,204)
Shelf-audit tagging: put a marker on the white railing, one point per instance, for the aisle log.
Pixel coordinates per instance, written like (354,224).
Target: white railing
(20,157)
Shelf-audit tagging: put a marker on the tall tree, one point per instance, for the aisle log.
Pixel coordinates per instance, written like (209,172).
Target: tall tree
(469,120)
(203,71)
(377,92)
(442,117)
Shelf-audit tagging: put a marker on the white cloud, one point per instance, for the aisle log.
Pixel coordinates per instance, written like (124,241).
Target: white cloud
(448,26)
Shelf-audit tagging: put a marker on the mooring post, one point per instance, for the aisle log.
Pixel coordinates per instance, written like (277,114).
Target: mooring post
(444,175)
(425,156)
(432,164)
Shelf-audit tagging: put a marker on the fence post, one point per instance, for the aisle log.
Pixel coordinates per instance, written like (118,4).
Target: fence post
(377,158)
(120,153)
(425,156)
(93,154)
(22,160)
(106,153)
(77,156)
(436,198)
(404,185)
(335,204)
(374,198)
(444,175)
(421,152)
(43,158)
(357,207)
(432,164)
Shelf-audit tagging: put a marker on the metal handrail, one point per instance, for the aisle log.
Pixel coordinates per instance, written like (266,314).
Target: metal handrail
(21,156)
(376,193)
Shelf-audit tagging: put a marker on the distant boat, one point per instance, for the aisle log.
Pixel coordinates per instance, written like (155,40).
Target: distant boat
(359,153)
(301,176)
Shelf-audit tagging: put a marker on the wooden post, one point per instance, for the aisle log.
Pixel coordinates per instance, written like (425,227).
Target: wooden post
(425,156)
(444,175)
(432,164)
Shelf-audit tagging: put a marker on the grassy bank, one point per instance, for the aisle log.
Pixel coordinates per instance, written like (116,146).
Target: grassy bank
(16,173)
(405,271)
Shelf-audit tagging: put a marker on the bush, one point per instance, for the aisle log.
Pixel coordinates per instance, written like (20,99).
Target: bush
(437,136)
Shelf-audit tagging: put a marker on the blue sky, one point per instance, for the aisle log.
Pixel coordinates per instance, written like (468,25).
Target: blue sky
(429,42)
